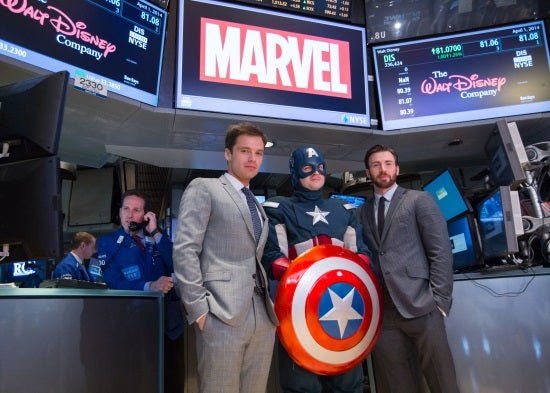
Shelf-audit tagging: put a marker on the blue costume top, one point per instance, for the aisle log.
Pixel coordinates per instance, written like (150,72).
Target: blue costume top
(71,268)
(304,220)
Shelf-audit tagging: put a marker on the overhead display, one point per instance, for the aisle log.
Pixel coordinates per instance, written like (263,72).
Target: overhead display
(486,74)
(249,61)
(108,46)
(333,9)
(402,19)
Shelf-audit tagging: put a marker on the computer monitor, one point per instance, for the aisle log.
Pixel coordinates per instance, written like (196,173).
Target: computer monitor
(356,200)
(31,116)
(30,210)
(77,340)
(507,155)
(465,242)
(447,194)
(500,223)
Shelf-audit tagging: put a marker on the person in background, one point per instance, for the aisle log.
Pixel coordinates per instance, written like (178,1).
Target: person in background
(413,260)
(296,224)
(138,256)
(72,266)
(220,238)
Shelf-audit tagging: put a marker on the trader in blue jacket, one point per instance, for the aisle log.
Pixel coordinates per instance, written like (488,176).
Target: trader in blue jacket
(139,257)
(72,266)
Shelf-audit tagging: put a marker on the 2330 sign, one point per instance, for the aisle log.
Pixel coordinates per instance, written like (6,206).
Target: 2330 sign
(90,85)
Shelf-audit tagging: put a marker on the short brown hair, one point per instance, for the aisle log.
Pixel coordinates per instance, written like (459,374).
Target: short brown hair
(378,149)
(237,130)
(82,237)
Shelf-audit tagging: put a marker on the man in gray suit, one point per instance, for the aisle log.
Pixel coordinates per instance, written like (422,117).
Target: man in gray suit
(407,234)
(217,251)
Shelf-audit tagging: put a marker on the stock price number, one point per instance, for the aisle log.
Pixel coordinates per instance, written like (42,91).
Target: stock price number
(532,36)
(403,90)
(406,112)
(151,19)
(405,101)
(493,42)
(447,51)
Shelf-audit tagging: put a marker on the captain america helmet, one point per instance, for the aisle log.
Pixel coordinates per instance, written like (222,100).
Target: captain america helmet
(307,158)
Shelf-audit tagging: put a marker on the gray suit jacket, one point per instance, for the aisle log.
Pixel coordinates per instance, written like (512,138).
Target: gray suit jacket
(215,254)
(413,257)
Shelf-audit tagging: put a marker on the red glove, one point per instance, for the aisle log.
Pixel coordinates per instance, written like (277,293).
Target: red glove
(365,259)
(279,266)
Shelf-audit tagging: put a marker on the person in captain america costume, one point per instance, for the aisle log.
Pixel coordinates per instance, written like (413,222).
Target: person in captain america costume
(296,224)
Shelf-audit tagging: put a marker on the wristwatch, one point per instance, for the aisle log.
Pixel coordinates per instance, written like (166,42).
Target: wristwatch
(154,232)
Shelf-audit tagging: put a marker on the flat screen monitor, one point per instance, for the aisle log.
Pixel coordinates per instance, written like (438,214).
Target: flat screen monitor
(507,156)
(447,194)
(476,75)
(500,224)
(31,116)
(67,340)
(465,242)
(403,19)
(109,46)
(30,207)
(250,61)
(27,274)
(355,200)
(330,9)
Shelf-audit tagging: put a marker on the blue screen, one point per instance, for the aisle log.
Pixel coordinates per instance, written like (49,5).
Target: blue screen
(466,252)
(353,199)
(491,221)
(447,195)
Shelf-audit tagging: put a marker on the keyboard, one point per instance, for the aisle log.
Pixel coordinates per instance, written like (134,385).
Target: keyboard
(68,283)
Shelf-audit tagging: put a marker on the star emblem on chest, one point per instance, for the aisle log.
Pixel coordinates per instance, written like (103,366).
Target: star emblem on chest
(318,215)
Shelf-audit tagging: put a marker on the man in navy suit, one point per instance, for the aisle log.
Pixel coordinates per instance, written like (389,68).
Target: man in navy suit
(72,266)
(413,261)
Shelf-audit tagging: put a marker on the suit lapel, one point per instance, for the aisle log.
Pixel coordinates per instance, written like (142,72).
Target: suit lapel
(394,204)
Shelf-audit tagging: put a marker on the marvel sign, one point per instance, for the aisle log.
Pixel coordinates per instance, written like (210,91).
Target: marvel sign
(278,65)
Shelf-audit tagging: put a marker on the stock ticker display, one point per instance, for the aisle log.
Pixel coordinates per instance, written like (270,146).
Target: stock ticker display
(496,72)
(332,9)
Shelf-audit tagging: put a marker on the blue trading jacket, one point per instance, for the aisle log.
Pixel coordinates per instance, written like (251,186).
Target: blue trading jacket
(125,266)
(69,267)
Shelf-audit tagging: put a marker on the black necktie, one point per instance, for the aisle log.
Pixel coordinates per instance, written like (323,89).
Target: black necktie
(381,214)
(254,212)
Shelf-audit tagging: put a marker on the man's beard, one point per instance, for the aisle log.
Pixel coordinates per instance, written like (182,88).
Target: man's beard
(385,184)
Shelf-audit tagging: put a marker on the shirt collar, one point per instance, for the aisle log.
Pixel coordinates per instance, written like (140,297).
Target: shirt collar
(77,258)
(388,195)
(237,185)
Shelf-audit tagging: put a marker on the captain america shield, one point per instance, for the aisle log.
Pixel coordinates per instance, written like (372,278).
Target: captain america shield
(329,309)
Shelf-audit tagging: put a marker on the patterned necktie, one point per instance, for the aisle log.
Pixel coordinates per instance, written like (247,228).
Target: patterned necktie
(381,215)
(139,242)
(254,212)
